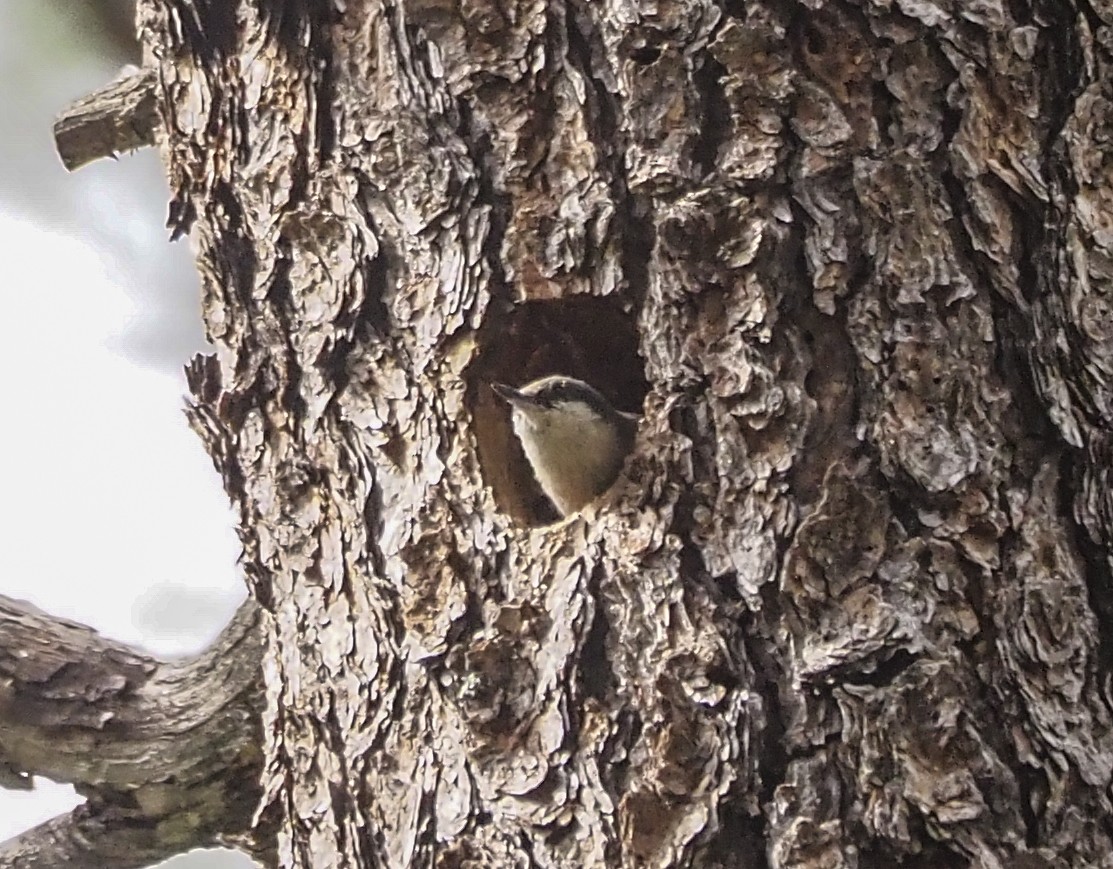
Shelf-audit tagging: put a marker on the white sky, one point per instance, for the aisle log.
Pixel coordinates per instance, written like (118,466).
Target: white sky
(113,515)
(116,510)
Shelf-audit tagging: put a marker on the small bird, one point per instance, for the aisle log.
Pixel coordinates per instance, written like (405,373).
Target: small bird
(575,440)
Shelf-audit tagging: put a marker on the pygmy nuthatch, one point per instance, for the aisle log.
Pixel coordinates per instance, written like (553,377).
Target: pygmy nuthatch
(574,439)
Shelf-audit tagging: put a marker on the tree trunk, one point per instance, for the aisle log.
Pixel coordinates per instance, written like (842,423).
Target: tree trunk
(849,603)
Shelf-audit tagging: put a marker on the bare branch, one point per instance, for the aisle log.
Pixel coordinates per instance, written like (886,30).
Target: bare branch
(166,753)
(121,116)
(85,839)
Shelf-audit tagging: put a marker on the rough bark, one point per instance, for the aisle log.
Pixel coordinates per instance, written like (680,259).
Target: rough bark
(849,603)
(122,116)
(839,611)
(165,753)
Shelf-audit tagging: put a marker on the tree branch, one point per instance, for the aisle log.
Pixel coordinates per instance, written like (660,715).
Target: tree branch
(121,116)
(166,753)
(88,839)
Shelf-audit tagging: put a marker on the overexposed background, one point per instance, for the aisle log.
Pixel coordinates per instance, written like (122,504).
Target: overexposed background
(115,515)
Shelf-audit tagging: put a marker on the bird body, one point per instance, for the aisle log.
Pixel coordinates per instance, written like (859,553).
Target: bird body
(575,440)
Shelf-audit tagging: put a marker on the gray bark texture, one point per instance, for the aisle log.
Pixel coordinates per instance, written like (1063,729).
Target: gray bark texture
(849,604)
(166,754)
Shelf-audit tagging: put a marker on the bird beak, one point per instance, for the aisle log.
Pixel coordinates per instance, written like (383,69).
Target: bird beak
(511,395)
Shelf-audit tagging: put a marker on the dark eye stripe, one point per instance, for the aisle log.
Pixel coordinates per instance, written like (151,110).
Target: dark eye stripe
(566,390)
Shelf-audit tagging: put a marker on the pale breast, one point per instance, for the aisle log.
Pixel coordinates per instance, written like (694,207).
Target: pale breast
(575,457)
